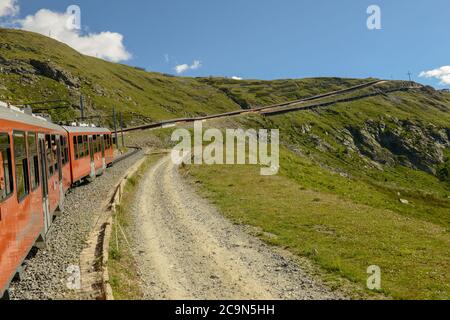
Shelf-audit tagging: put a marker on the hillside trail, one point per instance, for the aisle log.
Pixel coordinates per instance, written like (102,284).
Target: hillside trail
(186,249)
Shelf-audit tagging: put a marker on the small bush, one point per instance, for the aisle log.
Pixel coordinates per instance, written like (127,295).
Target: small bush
(443,172)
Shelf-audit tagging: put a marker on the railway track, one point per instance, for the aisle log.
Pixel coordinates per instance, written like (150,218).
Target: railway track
(126,155)
(277,111)
(290,106)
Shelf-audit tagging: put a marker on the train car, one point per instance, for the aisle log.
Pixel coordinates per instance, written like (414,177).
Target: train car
(90,151)
(34,176)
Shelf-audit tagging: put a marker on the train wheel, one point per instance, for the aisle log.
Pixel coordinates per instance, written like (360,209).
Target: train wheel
(5,296)
(41,243)
(59,211)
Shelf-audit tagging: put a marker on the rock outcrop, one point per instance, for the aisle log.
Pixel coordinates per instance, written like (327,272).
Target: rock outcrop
(52,71)
(400,142)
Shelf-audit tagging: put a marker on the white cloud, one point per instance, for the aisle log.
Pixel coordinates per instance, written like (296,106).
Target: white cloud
(236,78)
(181,68)
(442,73)
(185,67)
(196,65)
(8,8)
(105,45)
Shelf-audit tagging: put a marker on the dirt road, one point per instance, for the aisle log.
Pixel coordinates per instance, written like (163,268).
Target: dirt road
(187,250)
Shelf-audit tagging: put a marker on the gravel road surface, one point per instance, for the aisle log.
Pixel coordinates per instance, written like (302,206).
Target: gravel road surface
(187,250)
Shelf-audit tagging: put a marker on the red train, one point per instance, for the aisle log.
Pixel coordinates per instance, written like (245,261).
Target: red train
(39,162)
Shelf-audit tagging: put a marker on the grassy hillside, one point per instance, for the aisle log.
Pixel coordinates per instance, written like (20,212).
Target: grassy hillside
(254,93)
(359,185)
(36,68)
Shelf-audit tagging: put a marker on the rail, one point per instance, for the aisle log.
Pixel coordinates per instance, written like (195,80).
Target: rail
(328,103)
(127,155)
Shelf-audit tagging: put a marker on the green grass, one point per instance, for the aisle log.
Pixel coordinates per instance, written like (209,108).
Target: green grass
(123,271)
(336,230)
(251,93)
(345,223)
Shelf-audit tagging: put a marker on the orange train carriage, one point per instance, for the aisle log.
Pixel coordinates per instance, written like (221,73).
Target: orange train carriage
(91,151)
(39,163)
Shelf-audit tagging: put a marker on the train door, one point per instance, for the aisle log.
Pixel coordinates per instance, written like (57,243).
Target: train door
(102,139)
(44,182)
(60,174)
(92,154)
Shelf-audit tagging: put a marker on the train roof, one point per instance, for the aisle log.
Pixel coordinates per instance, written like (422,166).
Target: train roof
(9,114)
(71,129)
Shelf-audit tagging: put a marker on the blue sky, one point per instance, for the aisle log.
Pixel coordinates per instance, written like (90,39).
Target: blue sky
(269,39)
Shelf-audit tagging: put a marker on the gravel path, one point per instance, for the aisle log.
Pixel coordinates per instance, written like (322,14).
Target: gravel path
(187,250)
(45,276)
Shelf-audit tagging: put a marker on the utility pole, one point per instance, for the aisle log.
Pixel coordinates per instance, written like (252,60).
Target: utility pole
(82,107)
(121,130)
(409,75)
(115,128)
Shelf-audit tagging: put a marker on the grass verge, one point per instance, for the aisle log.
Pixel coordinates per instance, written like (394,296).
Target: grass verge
(122,267)
(338,233)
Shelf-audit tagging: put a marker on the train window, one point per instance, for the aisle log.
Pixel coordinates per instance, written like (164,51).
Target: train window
(34,160)
(55,153)
(63,160)
(86,145)
(99,143)
(80,146)
(6,177)
(75,147)
(48,150)
(95,143)
(21,163)
(64,151)
(106,141)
